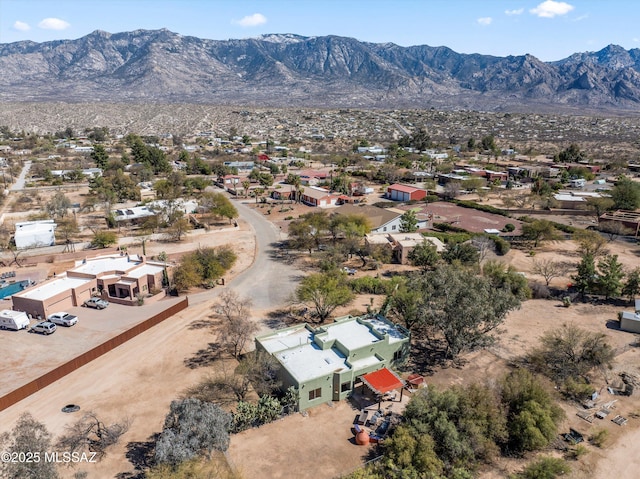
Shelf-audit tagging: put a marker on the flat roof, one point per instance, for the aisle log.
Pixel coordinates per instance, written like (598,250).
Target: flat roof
(384,327)
(51,288)
(351,334)
(144,270)
(309,361)
(102,264)
(286,339)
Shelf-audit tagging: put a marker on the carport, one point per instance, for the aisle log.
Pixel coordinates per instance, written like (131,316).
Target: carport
(382,382)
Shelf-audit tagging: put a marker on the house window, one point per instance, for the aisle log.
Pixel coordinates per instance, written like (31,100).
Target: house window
(384,229)
(315,394)
(397,356)
(393,227)
(344,387)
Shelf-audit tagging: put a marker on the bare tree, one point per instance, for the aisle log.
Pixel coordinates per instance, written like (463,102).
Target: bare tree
(90,433)
(613,229)
(549,269)
(238,329)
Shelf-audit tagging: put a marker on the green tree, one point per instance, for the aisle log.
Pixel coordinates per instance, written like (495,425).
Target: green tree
(532,414)
(58,206)
(571,154)
(100,156)
(424,255)
(599,205)
(631,287)
(584,279)
(626,194)
(27,436)
(104,239)
(325,292)
(539,231)
(570,352)
(462,253)
(218,205)
(310,227)
(589,242)
(463,308)
(192,428)
(409,222)
(610,276)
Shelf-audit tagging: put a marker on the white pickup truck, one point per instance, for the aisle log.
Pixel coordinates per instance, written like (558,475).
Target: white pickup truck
(62,319)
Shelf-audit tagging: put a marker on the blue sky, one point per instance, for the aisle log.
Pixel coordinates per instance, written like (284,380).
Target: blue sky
(547,29)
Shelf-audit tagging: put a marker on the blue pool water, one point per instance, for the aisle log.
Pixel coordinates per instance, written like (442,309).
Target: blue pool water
(13,288)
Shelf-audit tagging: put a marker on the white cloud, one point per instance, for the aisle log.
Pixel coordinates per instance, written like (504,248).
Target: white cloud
(484,21)
(581,17)
(252,20)
(22,26)
(519,11)
(636,40)
(53,24)
(551,8)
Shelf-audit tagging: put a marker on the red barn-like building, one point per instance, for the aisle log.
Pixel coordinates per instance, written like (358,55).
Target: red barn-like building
(398,192)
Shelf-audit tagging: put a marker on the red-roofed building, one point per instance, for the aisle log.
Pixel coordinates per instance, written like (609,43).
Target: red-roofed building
(263,157)
(398,192)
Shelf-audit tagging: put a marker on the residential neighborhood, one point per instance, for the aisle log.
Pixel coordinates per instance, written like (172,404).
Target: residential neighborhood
(328,278)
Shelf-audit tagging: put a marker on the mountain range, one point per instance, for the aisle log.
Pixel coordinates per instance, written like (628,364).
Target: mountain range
(285,70)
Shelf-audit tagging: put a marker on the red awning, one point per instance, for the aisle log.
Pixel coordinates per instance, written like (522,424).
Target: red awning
(382,381)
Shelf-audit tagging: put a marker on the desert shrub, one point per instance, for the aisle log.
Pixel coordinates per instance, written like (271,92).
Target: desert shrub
(544,468)
(539,291)
(450,237)
(479,207)
(502,245)
(448,227)
(577,453)
(369,285)
(509,227)
(599,437)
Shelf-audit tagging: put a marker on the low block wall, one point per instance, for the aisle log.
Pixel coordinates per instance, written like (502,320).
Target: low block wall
(52,376)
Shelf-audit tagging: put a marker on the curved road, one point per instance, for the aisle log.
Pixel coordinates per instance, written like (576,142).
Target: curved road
(268,282)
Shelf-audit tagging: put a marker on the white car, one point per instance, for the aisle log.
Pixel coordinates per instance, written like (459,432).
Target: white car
(62,319)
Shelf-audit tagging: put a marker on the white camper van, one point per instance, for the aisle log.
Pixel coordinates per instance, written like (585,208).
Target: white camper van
(15,320)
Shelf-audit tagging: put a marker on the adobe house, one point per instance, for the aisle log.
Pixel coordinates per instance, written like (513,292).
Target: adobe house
(326,363)
(117,278)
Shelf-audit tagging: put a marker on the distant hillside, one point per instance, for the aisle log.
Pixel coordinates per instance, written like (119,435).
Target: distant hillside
(289,70)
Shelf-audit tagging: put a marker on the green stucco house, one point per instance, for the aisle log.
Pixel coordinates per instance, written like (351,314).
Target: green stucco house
(323,363)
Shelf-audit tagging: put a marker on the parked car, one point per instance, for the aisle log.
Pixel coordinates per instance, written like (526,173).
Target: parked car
(349,271)
(96,303)
(44,327)
(62,319)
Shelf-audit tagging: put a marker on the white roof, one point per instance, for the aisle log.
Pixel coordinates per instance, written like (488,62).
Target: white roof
(51,288)
(309,361)
(395,335)
(144,270)
(577,199)
(351,334)
(286,339)
(30,227)
(103,264)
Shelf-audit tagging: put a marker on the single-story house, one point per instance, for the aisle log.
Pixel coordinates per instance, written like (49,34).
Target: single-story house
(327,362)
(314,196)
(284,191)
(382,220)
(117,278)
(403,244)
(35,234)
(229,182)
(569,201)
(398,192)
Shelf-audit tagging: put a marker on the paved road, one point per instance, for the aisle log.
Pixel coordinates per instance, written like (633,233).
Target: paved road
(269,282)
(19,184)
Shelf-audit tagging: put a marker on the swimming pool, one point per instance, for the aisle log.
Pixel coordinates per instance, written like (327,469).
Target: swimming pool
(13,288)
